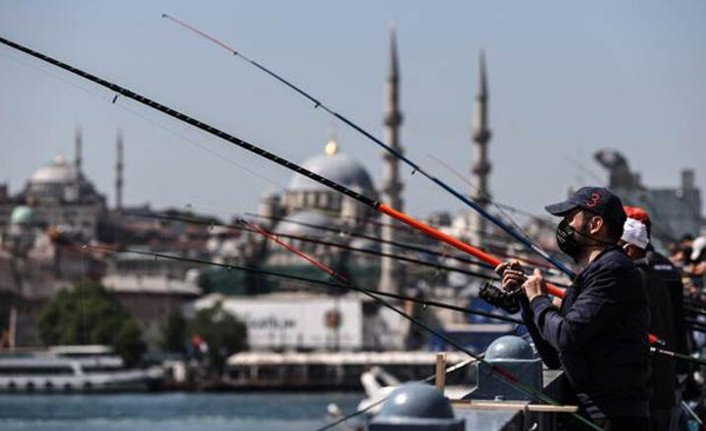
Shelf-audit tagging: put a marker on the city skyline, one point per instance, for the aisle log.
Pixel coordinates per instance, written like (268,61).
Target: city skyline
(561,87)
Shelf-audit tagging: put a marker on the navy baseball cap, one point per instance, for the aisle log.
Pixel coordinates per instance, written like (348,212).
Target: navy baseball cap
(597,200)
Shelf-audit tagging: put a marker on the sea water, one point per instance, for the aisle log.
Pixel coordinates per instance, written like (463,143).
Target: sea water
(247,411)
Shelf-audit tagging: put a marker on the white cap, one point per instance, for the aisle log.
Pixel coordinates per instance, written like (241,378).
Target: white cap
(697,247)
(635,233)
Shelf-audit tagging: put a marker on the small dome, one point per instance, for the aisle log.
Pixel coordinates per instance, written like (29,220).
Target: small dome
(509,347)
(56,173)
(337,167)
(411,401)
(22,215)
(300,224)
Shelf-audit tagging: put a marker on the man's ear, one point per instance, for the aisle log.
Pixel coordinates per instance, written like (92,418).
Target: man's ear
(595,224)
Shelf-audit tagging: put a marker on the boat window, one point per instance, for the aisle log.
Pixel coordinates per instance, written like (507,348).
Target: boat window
(14,371)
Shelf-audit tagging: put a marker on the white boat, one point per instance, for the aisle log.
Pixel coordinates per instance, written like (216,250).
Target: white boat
(378,384)
(71,369)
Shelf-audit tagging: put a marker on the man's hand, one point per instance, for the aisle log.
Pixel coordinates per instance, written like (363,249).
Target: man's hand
(535,285)
(512,274)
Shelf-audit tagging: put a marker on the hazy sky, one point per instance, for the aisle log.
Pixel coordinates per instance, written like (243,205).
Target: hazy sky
(565,79)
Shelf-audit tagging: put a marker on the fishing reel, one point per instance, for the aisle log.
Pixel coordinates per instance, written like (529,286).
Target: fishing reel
(500,298)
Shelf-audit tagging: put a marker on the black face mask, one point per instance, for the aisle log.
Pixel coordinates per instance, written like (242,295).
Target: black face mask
(567,238)
(686,255)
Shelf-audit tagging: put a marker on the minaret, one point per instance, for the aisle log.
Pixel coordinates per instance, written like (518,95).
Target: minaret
(78,149)
(481,134)
(119,172)
(391,276)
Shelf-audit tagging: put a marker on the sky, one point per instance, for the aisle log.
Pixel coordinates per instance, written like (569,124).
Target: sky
(565,80)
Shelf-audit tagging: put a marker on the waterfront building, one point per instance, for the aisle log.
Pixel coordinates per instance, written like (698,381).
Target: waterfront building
(675,211)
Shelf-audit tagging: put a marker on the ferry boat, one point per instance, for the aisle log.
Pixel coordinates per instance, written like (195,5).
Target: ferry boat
(72,369)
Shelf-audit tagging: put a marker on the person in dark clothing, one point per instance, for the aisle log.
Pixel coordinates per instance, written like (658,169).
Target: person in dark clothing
(672,277)
(599,333)
(663,379)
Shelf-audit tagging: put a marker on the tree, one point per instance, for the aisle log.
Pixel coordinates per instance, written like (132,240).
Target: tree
(223,333)
(88,314)
(174,333)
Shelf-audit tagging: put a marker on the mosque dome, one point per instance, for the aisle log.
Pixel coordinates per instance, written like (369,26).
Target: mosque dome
(60,180)
(337,167)
(58,172)
(300,224)
(22,215)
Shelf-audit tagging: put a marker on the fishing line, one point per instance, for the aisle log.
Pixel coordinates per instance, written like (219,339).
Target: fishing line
(484,195)
(436,266)
(263,274)
(377,403)
(422,248)
(324,243)
(583,168)
(175,132)
(508,377)
(415,167)
(143,117)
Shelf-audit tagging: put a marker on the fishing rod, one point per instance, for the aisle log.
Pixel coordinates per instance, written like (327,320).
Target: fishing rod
(349,232)
(486,196)
(267,273)
(436,266)
(376,205)
(415,167)
(676,355)
(692,413)
(509,378)
(695,325)
(694,309)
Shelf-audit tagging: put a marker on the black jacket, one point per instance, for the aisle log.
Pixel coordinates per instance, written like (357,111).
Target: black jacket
(663,378)
(599,336)
(672,278)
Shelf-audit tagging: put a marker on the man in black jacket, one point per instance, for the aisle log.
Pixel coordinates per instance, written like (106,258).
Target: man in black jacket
(663,380)
(599,333)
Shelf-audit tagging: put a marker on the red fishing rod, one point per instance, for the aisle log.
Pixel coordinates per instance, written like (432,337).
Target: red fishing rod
(365,200)
(403,245)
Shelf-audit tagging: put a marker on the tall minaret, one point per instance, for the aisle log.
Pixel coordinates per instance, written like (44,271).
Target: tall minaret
(119,172)
(78,149)
(391,275)
(481,166)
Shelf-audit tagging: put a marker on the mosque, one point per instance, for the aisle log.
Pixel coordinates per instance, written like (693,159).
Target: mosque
(306,204)
(60,202)
(307,210)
